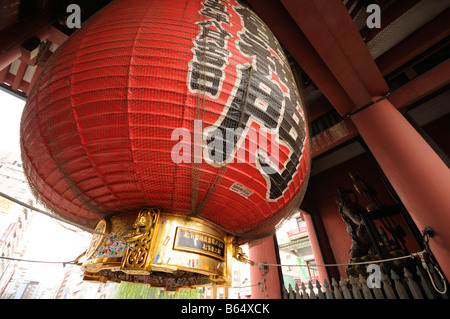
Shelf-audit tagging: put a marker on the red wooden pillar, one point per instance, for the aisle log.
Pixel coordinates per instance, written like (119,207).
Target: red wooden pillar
(418,175)
(19,75)
(315,245)
(264,251)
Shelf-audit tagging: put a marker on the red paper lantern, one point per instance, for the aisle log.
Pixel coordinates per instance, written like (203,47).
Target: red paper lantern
(177,105)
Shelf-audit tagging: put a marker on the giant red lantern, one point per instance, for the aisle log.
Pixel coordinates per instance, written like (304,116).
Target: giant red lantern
(186,106)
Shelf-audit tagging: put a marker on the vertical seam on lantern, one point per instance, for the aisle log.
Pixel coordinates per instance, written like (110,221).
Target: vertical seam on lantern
(137,179)
(197,209)
(182,125)
(75,115)
(195,171)
(51,150)
(48,146)
(30,162)
(222,170)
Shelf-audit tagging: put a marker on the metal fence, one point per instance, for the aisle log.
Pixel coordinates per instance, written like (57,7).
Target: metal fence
(399,285)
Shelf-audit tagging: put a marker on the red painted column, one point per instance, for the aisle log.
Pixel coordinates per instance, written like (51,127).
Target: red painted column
(316,247)
(263,251)
(418,175)
(19,75)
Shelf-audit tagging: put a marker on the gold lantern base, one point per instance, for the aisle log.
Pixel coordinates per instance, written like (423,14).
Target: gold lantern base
(161,249)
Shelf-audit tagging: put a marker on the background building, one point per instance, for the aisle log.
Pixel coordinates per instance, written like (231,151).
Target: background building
(14,223)
(26,235)
(296,252)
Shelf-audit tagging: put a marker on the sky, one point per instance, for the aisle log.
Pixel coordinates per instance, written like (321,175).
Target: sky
(10,113)
(50,240)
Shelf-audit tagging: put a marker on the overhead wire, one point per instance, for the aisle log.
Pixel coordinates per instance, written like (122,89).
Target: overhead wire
(58,218)
(84,228)
(39,261)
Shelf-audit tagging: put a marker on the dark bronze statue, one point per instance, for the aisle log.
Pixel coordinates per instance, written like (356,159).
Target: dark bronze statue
(351,212)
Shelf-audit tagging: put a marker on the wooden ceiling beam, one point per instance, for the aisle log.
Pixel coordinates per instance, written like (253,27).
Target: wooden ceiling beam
(289,34)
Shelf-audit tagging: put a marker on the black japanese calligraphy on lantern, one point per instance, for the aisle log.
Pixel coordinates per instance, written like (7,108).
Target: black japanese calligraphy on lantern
(264,93)
(206,69)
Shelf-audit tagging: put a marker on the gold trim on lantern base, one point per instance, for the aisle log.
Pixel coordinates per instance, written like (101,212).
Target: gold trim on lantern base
(161,249)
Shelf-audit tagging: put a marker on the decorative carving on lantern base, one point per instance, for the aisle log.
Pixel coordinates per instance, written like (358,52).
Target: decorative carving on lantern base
(139,242)
(162,249)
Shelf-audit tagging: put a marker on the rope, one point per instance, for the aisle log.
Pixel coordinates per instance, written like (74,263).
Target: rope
(347,264)
(427,233)
(420,254)
(89,230)
(442,292)
(40,261)
(242,287)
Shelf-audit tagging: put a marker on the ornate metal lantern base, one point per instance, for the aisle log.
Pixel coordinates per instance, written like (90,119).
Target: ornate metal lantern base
(161,249)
